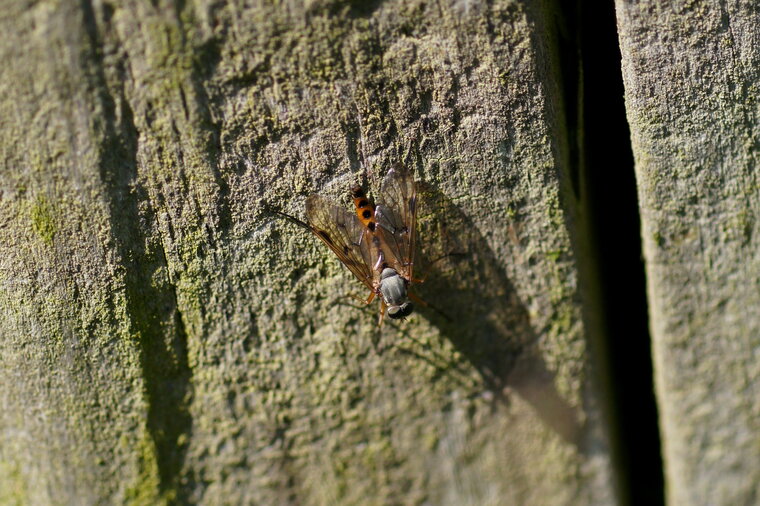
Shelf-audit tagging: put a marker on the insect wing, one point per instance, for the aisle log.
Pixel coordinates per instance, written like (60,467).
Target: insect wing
(396,218)
(343,233)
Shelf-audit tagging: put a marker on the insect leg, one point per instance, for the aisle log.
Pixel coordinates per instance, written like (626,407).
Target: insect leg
(421,302)
(288,217)
(382,313)
(362,300)
(416,299)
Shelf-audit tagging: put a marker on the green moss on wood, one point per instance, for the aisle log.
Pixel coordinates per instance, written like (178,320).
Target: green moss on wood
(145,490)
(13,487)
(43,224)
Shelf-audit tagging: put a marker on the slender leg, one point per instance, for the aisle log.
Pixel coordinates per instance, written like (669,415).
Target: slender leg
(417,299)
(361,300)
(382,313)
(425,304)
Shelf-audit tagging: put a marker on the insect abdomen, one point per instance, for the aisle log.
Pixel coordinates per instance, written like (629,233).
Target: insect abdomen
(365,210)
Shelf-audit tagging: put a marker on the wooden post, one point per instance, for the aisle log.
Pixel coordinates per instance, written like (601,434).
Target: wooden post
(165,338)
(691,74)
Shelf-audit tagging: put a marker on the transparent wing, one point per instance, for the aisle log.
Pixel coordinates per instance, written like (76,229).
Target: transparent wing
(396,218)
(344,234)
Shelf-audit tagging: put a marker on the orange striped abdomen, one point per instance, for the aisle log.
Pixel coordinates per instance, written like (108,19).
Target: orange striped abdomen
(365,210)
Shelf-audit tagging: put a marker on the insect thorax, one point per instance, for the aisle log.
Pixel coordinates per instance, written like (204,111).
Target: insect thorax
(392,286)
(393,290)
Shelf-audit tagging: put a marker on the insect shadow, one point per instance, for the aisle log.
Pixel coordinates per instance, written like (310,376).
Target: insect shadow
(476,308)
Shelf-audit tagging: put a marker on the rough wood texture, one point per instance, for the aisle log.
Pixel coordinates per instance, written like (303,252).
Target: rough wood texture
(166,339)
(691,74)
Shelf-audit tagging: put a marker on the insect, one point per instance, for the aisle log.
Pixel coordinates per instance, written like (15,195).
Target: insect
(376,242)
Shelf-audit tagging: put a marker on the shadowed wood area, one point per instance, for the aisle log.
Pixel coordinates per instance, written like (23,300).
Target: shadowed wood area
(166,338)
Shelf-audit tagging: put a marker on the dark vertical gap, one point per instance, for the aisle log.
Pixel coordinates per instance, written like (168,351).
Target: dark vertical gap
(611,202)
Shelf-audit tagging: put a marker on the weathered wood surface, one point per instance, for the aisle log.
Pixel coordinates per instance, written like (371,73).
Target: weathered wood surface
(692,74)
(163,338)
